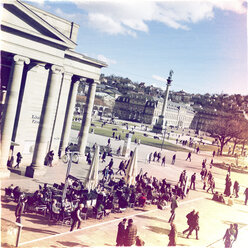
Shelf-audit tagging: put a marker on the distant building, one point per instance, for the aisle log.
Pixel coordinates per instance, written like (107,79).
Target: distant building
(146,109)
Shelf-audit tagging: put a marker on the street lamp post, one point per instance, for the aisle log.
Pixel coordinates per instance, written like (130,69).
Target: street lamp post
(164,135)
(69,163)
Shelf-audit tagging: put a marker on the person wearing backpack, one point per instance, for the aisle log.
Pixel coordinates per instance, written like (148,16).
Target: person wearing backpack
(189,217)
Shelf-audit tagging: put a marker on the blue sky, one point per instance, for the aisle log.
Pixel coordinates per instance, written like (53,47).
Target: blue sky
(203,42)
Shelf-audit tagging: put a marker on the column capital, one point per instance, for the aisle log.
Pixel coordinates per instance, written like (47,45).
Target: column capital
(68,75)
(21,59)
(57,69)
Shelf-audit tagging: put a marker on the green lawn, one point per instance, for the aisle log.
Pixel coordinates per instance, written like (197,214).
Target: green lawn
(107,131)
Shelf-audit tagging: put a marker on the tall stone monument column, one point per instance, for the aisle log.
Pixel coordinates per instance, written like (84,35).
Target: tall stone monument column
(46,120)
(84,131)
(9,113)
(160,125)
(69,115)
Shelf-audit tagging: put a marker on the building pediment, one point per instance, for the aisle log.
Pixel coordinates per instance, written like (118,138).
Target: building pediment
(17,17)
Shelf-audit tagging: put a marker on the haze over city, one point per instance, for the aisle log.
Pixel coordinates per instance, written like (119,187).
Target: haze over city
(204,42)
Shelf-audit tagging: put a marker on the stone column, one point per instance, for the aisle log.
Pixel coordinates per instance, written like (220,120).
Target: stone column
(61,114)
(44,131)
(10,111)
(68,116)
(83,135)
(161,124)
(161,120)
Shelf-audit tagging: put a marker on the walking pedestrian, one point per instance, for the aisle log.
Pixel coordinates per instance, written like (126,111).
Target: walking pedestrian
(246,195)
(229,237)
(173,159)
(228,184)
(105,173)
(195,225)
(189,157)
(50,158)
(197,150)
(172,235)
(158,156)
(189,217)
(76,217)
(236,231)
(18,160)
(111,163)
(104,156)
(121,168)
(154,155)
(20,209)
(211,185)
(192,179)
(163,161)
(236,189)
(182,178)
(150,158)
(229,170)
(131,233)
(174,205)
(121,233)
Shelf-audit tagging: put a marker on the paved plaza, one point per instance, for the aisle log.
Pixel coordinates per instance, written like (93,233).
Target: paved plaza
(152,223)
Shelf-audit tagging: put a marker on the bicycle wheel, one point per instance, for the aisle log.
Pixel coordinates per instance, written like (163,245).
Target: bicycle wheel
(75,158)
(65,159)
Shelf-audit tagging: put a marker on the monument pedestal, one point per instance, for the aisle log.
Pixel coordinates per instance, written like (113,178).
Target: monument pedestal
(35,172)
(157,128)
(126,146)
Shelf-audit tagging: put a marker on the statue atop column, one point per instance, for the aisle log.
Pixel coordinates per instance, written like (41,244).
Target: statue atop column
(169,80)
(161,123)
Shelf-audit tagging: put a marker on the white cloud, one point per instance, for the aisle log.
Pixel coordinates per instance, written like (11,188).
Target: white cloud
(105,59)
(129,17)
(67,16)
(159,78)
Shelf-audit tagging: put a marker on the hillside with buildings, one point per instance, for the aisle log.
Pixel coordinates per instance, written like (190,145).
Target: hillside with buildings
(121,98)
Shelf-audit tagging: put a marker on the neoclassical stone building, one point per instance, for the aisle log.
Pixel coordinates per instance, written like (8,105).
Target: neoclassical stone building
(41,72)
(146,109)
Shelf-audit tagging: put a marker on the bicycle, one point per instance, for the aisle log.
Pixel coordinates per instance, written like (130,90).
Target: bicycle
(75,157)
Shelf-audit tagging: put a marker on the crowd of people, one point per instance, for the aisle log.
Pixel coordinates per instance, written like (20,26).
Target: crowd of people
(113,195)
(157,157)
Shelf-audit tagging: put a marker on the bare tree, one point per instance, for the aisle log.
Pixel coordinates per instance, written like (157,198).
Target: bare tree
(224,129)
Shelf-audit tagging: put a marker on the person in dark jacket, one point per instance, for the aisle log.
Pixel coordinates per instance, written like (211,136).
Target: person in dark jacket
(173,159)
(189,217)
(236,189)
(111,163)
(76,217)
(192,183)
(121,233)
(18,160)
(131,233)
(195,225)
(104,156)
(172,235)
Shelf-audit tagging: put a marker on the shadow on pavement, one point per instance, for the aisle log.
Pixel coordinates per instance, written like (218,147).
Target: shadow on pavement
(150,218)
(9,206)
(71,244)
(30,229)
(158,230)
